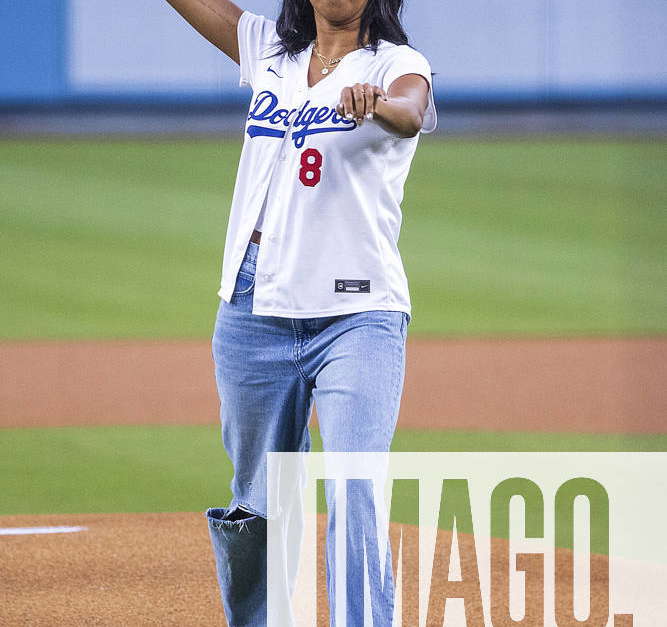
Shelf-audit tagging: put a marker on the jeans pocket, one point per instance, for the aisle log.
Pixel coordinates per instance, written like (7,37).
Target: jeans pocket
(245,283)
(404,324)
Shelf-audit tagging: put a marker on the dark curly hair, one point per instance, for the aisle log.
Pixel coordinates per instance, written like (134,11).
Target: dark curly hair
(381,20)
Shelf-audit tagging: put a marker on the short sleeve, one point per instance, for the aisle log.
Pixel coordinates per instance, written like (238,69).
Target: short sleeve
(256,35)
(406,60)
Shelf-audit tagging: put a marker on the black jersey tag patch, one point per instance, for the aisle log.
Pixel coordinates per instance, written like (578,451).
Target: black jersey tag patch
(357,286)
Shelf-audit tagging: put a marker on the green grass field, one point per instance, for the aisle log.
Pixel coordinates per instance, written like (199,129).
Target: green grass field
(184,468)
(540,237)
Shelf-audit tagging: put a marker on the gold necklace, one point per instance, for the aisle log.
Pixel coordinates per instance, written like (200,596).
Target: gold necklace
(327,63)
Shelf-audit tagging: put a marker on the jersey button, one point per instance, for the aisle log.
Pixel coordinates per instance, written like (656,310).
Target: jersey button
(268,276)
(273,238)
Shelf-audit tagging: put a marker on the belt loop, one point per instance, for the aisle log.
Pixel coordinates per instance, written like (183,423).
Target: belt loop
(251,253)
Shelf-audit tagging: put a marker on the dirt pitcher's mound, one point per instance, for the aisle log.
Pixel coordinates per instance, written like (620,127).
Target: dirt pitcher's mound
(126,569)
(155,569)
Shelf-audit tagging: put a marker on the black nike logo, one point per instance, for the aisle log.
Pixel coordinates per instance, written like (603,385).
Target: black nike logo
(270,69)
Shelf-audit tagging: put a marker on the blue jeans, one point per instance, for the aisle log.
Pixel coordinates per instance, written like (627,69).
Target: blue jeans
(268,372)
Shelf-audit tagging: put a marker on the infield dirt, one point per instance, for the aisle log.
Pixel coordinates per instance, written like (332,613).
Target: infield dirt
(579,385)
(138,569)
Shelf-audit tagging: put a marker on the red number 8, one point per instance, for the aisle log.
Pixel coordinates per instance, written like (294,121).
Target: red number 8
(310,173)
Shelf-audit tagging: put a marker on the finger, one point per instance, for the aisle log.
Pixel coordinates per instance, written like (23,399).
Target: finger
(359,102)
(369,96)
(347,103)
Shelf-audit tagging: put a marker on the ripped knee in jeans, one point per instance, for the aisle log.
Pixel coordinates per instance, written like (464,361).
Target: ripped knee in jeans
(222,518)
(238,514)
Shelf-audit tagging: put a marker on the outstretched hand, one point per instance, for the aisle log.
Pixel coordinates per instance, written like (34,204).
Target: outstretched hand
(359,102)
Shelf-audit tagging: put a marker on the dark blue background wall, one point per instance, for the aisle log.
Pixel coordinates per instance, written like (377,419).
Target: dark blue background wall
(110,52)
(33,64)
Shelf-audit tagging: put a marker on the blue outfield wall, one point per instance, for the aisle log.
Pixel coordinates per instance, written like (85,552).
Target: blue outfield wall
(33,63)
(139,53)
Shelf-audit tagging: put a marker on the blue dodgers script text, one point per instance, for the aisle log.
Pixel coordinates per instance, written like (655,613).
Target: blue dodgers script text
(309,120)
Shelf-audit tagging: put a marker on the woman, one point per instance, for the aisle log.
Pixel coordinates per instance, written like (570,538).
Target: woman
(314,299)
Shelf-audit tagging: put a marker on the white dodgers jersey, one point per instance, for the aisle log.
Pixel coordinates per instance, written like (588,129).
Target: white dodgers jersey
(328,190)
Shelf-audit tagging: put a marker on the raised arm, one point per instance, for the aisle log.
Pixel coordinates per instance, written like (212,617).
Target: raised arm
(216,20)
